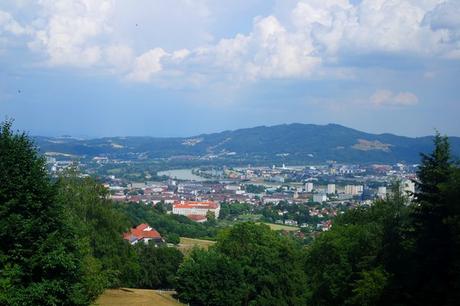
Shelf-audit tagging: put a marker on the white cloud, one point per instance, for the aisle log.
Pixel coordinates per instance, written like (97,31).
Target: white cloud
(269,51)
(444,19)
(120,57)
(106,35)
(9,25)
(147,65)
(180,55)
(385,97)
(69,29)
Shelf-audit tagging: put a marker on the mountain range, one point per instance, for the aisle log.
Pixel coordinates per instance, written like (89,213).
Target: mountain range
(293,143)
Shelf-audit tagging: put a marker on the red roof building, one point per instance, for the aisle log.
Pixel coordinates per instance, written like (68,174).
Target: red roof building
(142,233)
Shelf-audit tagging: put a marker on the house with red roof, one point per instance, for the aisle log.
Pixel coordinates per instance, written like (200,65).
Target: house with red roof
(143,233)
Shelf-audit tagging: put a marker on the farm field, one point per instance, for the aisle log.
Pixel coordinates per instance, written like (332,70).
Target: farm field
(136,297)
(186,244)
(281,227)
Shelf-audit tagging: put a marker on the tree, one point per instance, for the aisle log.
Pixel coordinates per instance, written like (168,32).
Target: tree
(210,217)
(173,238)
(435,234)
(158,266)
(451,194)
(40,262)
(99,231)
(249,265)
(210,278)
(365,258)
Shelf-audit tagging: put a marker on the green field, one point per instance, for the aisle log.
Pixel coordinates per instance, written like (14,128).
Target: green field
(186,244)
(281,227)
(137,297)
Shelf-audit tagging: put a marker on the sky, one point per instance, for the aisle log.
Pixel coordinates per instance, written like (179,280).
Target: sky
(184,67)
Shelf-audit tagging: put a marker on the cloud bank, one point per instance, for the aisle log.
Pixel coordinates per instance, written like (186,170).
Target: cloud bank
(310,39)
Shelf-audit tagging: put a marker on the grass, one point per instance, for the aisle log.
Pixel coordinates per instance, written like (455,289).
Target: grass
(186,244)
(281,227)
(137,297)
(249,217)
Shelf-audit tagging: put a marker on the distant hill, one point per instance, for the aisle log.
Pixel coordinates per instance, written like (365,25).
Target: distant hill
(294,143)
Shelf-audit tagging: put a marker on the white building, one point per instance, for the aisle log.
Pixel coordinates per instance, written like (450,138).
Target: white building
(308,187)
(232,187)
(268,200)
(330,188)
(319,198)
(382,192)
(187,208)
(354,189)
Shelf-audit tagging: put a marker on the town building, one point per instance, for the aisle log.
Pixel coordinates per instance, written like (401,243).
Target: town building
(354,189)
(319,198)
(187,208)
(330,188)
(382,192)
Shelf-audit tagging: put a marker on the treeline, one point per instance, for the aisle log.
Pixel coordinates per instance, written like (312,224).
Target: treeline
(397,252)
(61,241)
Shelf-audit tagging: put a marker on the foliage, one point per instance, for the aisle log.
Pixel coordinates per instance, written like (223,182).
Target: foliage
(211,218)
(436,218)
(210,278)
(233,210)
(251,188)
(173,238)
(269,265)
(40,262)
(158,266)
(100,227)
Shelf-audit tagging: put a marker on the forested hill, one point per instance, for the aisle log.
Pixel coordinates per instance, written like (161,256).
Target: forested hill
(295,143)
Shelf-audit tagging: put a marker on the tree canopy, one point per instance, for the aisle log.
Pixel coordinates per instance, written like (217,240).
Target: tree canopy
(266,267)
(40,261)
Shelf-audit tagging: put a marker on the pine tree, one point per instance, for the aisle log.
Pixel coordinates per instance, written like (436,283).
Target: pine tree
(433,238)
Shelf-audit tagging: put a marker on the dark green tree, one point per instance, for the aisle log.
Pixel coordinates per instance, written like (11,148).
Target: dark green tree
(435,235)
(40,262)
(365,258)
(99,231)
(158,266)
(210,218)
(210,278)
(271,264)
(173,238)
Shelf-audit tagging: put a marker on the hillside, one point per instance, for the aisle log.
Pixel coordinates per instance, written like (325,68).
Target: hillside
(294,143)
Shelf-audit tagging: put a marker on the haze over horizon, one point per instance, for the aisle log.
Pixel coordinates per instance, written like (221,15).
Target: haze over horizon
(183,68)
(226,130)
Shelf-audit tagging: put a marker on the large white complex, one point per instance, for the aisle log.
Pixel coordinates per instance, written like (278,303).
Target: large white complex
(193,208)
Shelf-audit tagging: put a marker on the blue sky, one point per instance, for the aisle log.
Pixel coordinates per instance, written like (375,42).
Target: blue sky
(183,67)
